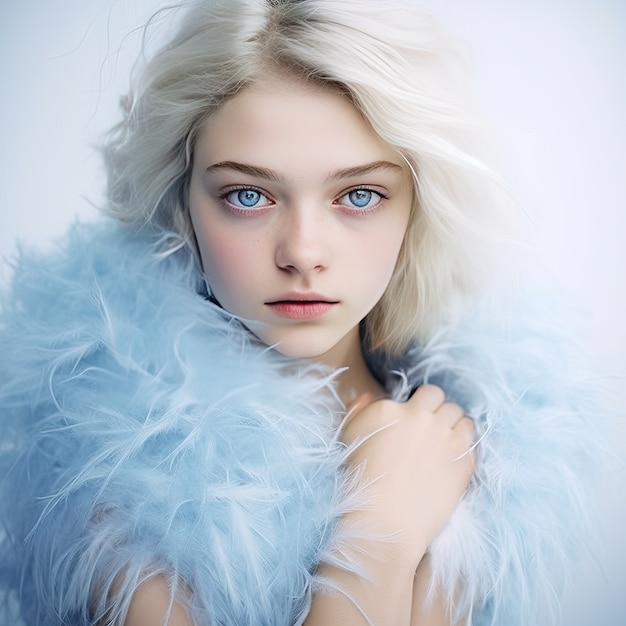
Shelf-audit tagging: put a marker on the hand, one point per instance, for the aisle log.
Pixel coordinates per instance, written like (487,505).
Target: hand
(415,463)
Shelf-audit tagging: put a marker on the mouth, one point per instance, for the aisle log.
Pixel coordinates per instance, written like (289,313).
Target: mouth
(301,306)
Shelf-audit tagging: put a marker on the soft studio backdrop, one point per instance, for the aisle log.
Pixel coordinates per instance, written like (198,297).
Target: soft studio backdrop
(550,78)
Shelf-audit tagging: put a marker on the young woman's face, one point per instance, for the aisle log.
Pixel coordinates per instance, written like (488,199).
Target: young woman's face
(299,210)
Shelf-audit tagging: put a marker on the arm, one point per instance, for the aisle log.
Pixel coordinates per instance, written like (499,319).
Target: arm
(383,600)
(409,455)
(415,468)
(403,602)
(150,603)
(150,606)
(435,612)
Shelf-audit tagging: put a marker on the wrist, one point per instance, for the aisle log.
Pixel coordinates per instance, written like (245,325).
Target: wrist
(373,586)
(362,540)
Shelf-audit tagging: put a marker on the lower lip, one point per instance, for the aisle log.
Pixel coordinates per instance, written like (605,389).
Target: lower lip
(301,310)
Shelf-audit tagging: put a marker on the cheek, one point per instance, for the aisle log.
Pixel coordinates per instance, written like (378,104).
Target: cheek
(380,267)
(229,264)
(381,253)
(371,267)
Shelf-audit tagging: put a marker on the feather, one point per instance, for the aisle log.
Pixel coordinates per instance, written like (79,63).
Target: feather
(145,431)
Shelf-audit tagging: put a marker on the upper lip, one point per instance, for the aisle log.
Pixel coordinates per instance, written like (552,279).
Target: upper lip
(296,296)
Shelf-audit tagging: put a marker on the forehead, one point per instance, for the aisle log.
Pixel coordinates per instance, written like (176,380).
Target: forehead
(291,127)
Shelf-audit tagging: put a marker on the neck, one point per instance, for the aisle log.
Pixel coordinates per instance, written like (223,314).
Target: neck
(357,379)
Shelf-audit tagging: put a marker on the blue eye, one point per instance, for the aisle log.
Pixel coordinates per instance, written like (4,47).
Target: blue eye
(361,199)
(247,198)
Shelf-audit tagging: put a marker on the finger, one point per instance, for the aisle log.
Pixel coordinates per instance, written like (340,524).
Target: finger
(451,413)
(468,451)
(465,426)
(429,397)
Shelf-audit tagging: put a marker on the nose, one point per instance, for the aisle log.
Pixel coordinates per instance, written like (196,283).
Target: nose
(303,243)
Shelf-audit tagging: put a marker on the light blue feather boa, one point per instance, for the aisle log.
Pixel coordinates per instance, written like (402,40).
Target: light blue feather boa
(144,431)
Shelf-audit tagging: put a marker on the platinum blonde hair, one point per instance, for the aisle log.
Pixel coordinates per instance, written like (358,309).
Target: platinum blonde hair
(391,59)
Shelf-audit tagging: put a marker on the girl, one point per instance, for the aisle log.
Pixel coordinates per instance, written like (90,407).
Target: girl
(267,391)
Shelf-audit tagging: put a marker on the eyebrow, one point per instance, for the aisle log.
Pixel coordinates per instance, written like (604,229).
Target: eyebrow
(250,170)
(359,170)
(267,174)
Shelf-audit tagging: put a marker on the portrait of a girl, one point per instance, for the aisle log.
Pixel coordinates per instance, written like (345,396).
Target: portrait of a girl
(282,380)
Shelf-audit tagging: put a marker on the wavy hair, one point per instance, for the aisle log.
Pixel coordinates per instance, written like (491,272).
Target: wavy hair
(397,67)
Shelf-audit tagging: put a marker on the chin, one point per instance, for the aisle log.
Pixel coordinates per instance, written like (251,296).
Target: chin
(332,351)
(315,352)
(329,346)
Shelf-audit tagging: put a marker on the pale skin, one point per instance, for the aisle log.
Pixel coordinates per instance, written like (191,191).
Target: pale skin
(293,193)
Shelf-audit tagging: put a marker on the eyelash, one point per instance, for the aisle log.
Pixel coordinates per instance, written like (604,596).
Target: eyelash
(242,210)
(238,210)
(362,211)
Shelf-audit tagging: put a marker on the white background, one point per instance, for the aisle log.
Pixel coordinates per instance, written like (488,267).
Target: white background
(550,75)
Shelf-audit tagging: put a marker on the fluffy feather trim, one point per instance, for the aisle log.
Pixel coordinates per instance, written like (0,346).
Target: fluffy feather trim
(145,431)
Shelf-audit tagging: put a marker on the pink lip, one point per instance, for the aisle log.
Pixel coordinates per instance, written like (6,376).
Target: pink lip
(301,306)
